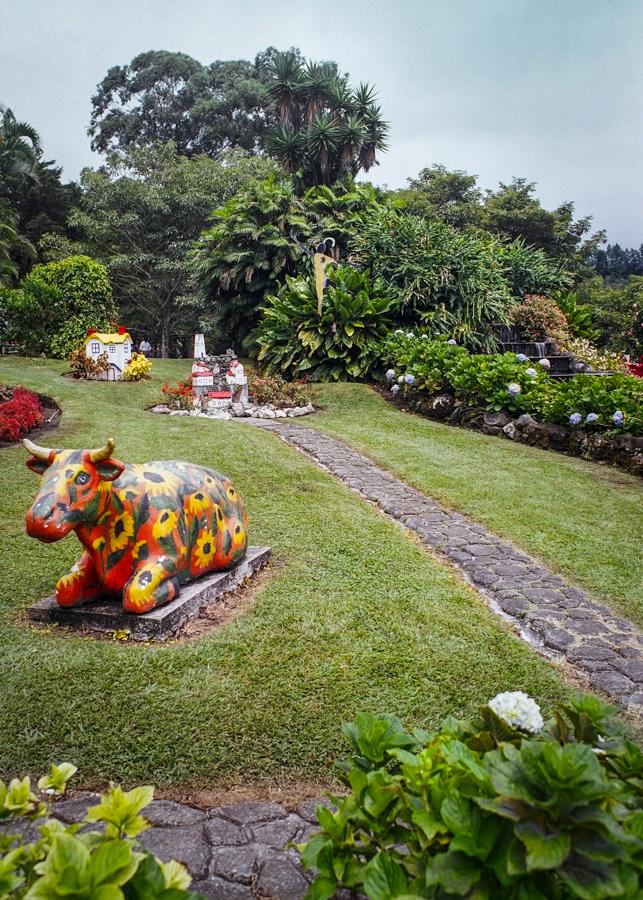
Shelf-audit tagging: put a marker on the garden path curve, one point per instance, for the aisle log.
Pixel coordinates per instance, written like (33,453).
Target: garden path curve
(552,615)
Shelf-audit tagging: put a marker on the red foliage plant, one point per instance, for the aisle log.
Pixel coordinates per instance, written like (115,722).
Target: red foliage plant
(19,414)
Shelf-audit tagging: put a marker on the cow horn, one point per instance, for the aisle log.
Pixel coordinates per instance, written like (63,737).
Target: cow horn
(42,453)
(104,452)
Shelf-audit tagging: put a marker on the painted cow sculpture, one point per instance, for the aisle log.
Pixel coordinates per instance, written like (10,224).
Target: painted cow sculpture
(146,529)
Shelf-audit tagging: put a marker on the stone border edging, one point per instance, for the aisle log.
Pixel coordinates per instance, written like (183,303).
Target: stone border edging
(555,617)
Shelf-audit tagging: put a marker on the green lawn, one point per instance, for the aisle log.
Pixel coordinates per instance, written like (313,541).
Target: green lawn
(356,617)
(584,520)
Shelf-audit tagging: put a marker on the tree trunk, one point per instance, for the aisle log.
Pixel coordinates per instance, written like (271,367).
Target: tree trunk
(165,342)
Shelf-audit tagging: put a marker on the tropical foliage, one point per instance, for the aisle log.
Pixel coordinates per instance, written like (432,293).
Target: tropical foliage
(275,390)
(99,858)
(325,129)
(447,281)
(502,806)
(250,247)
(341,343)
(19,146)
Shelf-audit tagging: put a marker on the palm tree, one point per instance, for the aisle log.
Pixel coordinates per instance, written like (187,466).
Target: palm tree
(325,130)
(19,146)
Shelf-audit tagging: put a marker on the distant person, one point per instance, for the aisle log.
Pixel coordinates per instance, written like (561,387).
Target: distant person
(145,347)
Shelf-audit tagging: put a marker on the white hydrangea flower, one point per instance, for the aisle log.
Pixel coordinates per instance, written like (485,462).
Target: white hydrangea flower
(518,710)
(410,334)
(531,372)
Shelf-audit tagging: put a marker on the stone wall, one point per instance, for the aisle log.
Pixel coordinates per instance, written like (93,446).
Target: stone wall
(622,450)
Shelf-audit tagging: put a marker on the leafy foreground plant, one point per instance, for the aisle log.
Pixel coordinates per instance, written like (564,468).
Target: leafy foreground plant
(500,807)
(81,865)
(338,345)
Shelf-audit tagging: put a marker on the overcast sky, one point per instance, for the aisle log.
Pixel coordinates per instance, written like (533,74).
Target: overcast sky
(550,90)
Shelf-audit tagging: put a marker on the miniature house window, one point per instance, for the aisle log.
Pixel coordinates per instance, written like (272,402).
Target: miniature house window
(126,346)
(95,347)
(112,348)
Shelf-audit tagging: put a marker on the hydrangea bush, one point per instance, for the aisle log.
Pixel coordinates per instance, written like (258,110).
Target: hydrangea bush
(506,382)
(503,806)
(96,859)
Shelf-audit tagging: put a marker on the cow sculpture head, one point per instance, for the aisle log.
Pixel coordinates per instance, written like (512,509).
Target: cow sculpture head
(73,491)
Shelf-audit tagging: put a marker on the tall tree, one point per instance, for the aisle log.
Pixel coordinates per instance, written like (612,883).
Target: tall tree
(438,193)
(163,96)
(19,146)
(325,129)
(139,215)
(514,212)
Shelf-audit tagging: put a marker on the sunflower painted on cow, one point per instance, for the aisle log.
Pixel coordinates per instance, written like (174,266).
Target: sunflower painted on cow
(145,529)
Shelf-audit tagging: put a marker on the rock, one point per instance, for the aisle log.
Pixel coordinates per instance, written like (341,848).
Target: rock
(555,436)
(442,406)
(167,813)
(636,464)
(247,813)
(186,844)
(162,409)
(222,415)
(510,431)
(218,889)
(290,412)
(281,877)
(280,414)
(270,413)
(496,419)
(310,408)
(525,421)
(70,811)
(179,412)
(238,409)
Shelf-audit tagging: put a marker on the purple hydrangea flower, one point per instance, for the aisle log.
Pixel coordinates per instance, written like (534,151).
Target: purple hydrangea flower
(409,379)
(452,341)
(574,419)
(544,362)
(591,417)
(390,374)
(521,357)
(531,372)
(514,389)
(395,389)
(618,418)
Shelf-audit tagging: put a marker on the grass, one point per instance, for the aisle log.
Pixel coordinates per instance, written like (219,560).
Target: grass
(356,617)
(582,519)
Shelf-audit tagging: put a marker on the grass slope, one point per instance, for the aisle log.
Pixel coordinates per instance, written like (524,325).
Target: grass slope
(356,617)
(582,519)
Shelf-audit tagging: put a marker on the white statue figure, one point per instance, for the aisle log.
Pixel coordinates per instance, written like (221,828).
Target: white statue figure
(238,381)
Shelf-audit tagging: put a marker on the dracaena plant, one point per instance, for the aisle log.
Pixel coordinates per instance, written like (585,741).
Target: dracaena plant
(96,859)
(506,806)
(339,344)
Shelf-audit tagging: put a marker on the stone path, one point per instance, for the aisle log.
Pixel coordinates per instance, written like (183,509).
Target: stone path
(557,618)
(233,852)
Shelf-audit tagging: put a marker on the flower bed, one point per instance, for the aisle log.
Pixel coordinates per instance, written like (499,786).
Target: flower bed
(591,416)
(20,412)
(505,806)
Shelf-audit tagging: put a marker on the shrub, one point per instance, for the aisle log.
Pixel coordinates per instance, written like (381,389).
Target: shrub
(600,360)
(138,367)
(104,861)
(19,414)
(502,382)
(82,366)
(273,389)
(528,270)
(448,278)
(341,343)
(503,806)
(179,396)
(58,302)
(539,319)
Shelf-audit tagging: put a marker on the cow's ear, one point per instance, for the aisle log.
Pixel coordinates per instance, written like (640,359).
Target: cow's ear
(109,469)
(38,465)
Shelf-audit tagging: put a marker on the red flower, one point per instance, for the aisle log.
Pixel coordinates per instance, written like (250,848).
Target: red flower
(122,329)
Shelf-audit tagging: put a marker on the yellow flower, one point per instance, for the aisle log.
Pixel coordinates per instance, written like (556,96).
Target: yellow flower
(198,502)
(165,524)
(143,586)
(121,531)
(206,547)
(98,543)
(158,480)
(232,493)
(137,548)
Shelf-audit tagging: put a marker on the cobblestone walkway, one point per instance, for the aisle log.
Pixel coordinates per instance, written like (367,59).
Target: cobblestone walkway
(557,618)
(233,852)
